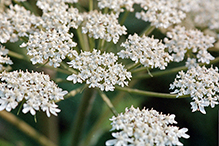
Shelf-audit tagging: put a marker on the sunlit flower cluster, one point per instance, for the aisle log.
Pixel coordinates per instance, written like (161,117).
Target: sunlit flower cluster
(102,26)
(189,43)
(50,46)
(35,90)
(148,51)
(99,70)
(4,59)
(161,13)
(117,5)
(145,128)
(201,84)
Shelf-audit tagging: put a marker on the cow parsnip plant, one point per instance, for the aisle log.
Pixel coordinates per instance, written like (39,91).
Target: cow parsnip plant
(93,48)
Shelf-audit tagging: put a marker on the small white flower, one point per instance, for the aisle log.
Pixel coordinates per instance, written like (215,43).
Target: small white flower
(182,42)
(148,51)
(99,70)
(34,88)
(145,127)
(102,26)
(201,84)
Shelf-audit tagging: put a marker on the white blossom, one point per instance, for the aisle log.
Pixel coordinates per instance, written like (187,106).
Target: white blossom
(49,45)
(34,89)
(145,127)
(206,13)
(201,84)
(99,70)
(102,26)
(181,42)
(161,13)
(4,59)
(117,5)
(148,51)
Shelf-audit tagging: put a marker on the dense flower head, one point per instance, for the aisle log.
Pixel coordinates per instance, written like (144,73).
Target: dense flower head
(201,84)
(46,5)
(117,5)
(102,26)
(190,42)
(49,46)
(16,22)
(4,59)
(145,128)
(148,51)
(161,13)
(61,17)
(99,70)
(34,89)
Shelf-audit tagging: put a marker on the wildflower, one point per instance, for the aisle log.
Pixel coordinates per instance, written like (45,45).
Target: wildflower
(148,51)
(183,42)
(117,5)
(145,127)
(4,59)
(99,70)
(201,84)
(102,26)
(161,13)
(49,45)
(34,89)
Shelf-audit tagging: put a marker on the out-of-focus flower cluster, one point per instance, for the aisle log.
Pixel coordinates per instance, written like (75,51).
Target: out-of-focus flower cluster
(189,43)
(99,70)
(117,5)
(102,26)
(145,128)
(201,84)
(206,13)
(163,13)
(148,51)
(4,59)
(35,90)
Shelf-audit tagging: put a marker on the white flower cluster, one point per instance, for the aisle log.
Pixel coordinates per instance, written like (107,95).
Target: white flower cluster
(201,84)
(16,22)
(99,70)
(3,58)
(49,45)
(4,4)
(189,42)
(102,26)
(117,5)
(206,13)
(61,18)
(161,13)
(145,128)
(148,51)
(34,89)
(46,5)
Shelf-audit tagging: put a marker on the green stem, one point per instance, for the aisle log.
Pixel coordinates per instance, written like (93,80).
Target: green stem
(65,66)
(81,116)
(108,102)
(169,71)
(27,129)
(125,15)
(90,5)
(83,39)
(147,31)
(149,93)
(18,56)
(133,66)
